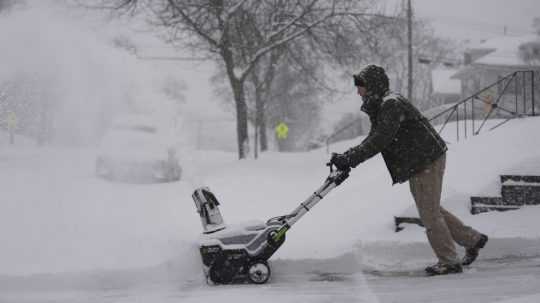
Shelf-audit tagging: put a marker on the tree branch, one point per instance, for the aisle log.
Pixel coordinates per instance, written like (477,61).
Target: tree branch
(261,52)
(192,24)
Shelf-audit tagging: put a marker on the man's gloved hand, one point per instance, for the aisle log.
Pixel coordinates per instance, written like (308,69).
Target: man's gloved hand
(340,161)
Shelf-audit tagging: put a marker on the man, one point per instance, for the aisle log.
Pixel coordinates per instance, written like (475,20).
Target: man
(413,151)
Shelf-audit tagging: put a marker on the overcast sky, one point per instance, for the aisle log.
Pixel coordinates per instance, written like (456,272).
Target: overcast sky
(475,19)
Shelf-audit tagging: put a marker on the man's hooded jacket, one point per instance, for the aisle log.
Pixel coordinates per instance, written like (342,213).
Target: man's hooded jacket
(405,138)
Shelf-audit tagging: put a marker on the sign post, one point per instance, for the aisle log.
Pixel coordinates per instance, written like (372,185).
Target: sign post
(11,125)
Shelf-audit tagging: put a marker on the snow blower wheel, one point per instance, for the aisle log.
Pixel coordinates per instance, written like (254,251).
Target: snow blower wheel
(258,272)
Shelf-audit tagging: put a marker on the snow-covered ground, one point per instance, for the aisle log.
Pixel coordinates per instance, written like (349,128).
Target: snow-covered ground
(68,236)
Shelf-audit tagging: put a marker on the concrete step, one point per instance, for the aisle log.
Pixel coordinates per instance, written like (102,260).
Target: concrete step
(399,221)
(520,190)
(485,204)
(524,178)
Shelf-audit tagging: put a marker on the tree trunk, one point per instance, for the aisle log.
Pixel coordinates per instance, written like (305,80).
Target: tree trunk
(257,119)
(256,143)
(260,124)
(237,86)
(265,95)
(262,133)
(241,118)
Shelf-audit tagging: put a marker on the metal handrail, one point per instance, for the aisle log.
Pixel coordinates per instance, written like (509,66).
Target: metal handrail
(454,109)
(506,81)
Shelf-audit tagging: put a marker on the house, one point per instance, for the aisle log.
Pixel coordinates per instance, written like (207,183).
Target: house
(446,89)
(446,92)
(488,62)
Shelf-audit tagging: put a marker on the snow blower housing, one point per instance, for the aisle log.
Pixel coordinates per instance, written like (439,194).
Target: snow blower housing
(239,253)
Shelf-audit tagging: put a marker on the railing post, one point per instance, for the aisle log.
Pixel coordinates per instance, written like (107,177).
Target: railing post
(495,105)
(457,123)
(524,82)
(516,93)
(532,92)
(472,116)
(465,119)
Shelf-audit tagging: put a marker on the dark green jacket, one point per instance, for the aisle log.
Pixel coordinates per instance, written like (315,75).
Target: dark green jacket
(405,138)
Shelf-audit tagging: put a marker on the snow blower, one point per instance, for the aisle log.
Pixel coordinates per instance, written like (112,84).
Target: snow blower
(239,253)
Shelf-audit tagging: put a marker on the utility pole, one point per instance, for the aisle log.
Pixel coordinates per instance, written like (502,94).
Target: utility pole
(410,50)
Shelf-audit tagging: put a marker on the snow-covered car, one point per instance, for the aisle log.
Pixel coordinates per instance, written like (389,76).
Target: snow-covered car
(134,150)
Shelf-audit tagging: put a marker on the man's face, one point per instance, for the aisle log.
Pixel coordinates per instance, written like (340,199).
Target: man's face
(361,91)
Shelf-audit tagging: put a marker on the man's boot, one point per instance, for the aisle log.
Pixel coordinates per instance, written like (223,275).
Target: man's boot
(444,269)
(472,253)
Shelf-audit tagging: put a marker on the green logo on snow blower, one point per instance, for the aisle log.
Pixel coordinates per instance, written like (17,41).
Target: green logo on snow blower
(278,236)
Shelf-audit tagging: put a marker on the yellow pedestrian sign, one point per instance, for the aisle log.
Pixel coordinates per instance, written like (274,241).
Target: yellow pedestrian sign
(282,131)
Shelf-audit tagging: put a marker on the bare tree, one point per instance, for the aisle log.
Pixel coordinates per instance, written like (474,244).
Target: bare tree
(296,97)
(261,80)
(331,42)
(211,27)
(272,94)
(530,51)
(536,25)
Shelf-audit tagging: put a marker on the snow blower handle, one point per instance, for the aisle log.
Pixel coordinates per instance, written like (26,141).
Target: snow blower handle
(337,176)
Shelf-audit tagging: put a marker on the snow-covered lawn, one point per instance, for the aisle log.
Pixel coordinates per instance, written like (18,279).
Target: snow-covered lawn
(57,217)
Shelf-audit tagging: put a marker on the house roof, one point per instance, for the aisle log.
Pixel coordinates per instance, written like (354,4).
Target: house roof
(443,83)
(463,72)
(505,50)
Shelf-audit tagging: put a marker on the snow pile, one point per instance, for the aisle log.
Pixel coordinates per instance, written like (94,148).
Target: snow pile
(505,50)
(57,216)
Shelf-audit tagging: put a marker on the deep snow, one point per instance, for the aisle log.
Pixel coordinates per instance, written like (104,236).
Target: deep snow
(58,220)
(68,236)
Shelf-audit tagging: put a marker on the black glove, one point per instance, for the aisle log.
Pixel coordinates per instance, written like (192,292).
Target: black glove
(340,161)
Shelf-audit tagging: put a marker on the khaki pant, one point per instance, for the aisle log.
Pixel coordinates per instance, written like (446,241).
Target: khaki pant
(442,228)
